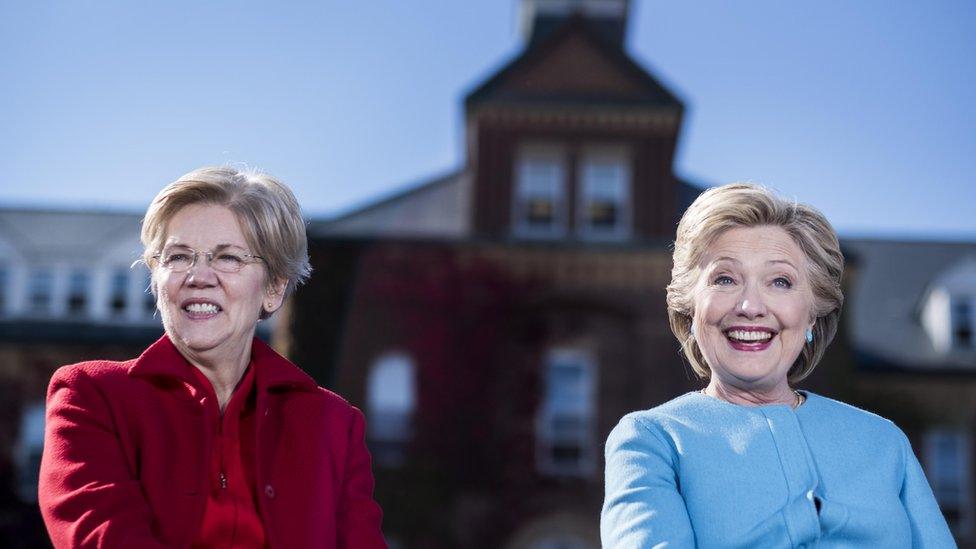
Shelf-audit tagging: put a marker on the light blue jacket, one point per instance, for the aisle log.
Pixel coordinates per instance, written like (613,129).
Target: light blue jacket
(697,471)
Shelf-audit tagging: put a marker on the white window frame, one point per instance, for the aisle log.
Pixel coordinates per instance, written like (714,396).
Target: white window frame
(591,159)
(534,157)
(958,479)
(547,436)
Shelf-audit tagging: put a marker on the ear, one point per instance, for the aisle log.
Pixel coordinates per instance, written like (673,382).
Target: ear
(274,295)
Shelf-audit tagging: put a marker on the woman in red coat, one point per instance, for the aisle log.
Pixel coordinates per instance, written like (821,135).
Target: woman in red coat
(209,438)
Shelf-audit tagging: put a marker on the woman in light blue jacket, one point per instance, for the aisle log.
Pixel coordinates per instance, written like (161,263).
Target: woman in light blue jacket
(749,461)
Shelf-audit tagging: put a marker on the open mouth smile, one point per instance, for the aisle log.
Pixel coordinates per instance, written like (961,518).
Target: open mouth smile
(749,338)
(199,309)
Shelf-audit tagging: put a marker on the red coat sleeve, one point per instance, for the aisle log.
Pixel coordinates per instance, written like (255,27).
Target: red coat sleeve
(87,493)
(359,516)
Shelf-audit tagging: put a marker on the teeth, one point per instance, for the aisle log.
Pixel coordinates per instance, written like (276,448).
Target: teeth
(201,308)
(743,335)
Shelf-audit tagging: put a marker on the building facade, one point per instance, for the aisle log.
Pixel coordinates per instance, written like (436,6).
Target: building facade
(495,322)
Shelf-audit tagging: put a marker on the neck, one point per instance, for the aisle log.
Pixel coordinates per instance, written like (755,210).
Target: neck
(224,370)
(779,394)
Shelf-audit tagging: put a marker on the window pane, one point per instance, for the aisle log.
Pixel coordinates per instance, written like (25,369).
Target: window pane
(119,291)
(78,285)
(539,189)
(962,321)
(41,285)
(604,197)
(947,466)
(391,398)
(4,284)
(565,439)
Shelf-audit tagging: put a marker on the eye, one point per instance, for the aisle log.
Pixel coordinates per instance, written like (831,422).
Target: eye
(723,280)
(176,257)
(782,282)
(229,258)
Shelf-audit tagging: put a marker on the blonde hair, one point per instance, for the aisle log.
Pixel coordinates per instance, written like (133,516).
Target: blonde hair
(267,211)
(746,205)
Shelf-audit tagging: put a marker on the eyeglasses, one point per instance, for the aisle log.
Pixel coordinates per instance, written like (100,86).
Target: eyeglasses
(226,259)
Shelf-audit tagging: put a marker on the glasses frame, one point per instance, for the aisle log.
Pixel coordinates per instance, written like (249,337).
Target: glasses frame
(249,259)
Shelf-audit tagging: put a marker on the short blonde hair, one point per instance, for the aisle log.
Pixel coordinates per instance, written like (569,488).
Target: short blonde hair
(746,205)
(268,213)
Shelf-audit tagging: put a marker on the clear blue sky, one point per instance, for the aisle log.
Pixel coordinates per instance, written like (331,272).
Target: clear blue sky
(864,109)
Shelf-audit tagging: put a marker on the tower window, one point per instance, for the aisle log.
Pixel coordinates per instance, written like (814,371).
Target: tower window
(540,182)
(604,196)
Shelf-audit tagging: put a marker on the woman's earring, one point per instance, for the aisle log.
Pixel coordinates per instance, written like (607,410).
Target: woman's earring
(693,329)
(809,335)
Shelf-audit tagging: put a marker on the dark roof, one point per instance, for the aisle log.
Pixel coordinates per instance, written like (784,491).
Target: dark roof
(652,91)
(412,206)
(882,313)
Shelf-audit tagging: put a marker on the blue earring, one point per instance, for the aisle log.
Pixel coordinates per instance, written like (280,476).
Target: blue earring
(809,335)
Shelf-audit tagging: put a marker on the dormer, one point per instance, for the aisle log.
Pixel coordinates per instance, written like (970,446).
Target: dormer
(948,309)
(572,140)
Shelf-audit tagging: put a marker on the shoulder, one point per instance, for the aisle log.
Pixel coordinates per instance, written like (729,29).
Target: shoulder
(97,372)
(847,418)
(842,411)
(655,425)
(681,409)
(336,403)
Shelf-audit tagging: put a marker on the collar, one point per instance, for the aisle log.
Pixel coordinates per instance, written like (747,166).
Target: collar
(273,371)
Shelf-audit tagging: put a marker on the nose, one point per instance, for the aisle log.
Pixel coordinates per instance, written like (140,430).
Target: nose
(751,304)
(201,274)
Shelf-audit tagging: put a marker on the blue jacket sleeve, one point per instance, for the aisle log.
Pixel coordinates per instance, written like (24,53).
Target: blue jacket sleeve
(929,528)
(642,506)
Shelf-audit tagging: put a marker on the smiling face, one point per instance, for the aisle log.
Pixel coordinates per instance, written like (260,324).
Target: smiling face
(752,307)
(207,312)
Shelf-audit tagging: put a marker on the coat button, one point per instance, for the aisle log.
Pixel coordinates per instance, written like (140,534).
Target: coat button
(269,491)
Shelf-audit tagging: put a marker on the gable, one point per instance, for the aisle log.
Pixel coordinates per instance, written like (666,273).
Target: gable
(574,65)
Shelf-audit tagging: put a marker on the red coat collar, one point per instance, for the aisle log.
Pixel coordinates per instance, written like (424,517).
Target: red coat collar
(274,371)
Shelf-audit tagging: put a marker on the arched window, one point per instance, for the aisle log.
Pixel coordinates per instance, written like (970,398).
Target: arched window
(391,397)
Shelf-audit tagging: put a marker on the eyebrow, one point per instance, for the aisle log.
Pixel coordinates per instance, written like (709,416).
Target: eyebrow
(771,262)
(218,247)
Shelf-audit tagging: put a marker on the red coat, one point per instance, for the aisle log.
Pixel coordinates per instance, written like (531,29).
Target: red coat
(126,456)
